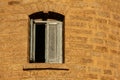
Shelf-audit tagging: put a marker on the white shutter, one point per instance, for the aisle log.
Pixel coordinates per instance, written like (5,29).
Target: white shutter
(53,52)
(32,41)
(59,43)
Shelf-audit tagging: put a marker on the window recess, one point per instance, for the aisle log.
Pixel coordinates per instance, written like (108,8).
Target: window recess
(46,41)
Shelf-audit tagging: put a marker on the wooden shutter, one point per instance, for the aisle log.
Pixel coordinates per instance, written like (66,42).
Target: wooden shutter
(32,41)
(59,43)
(53,44)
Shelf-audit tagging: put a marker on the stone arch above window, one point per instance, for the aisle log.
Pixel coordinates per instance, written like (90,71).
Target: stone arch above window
(45,16)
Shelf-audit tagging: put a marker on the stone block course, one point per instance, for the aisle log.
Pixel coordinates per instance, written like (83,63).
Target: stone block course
(97,41)
(104,14)
(14,17)
(84,61)
(101,49)
(13,2)
(101,35)
(109,72)
(92,76)
(102,27)
(116,17)
(100,20)
(78,39)
(81,18)
(107,78)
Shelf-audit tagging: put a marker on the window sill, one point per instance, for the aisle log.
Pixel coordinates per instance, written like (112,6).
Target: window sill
(44,66)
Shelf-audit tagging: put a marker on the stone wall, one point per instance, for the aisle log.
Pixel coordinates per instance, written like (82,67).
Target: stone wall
(92,40)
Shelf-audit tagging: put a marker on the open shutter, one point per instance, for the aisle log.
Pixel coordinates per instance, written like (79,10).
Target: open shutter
(51,52)
(32,41)
(59,43)
(53,42)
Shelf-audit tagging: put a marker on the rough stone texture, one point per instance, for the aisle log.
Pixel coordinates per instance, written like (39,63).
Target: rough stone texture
(92,40)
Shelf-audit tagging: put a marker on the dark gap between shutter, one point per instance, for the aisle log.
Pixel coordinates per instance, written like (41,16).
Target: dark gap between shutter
(40,43)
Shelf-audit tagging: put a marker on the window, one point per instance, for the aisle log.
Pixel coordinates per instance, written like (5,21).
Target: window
(46,40)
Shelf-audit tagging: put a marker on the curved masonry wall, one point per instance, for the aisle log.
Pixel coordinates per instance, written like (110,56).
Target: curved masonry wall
(92,40)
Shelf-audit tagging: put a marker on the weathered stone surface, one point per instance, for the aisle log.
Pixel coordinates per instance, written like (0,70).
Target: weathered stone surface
(91,40)
(101,49)
(13,2)
(109,72)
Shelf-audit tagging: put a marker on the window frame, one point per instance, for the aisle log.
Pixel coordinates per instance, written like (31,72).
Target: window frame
(33,23)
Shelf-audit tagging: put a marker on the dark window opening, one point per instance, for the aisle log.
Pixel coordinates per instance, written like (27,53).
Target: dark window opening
(40,43)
